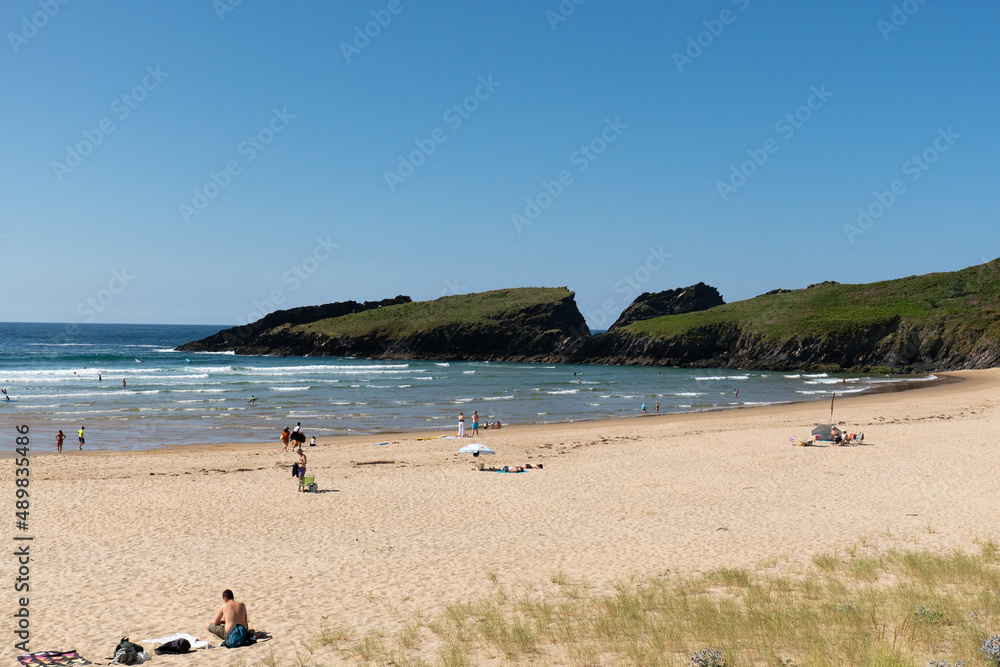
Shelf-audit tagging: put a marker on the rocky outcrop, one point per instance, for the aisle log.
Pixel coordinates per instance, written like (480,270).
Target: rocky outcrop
(669,302)
(249,338)
(546,331)
(890,346)
(541,333)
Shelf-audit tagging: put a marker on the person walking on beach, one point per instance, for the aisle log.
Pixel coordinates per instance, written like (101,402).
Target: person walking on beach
(60,436)
(80,436)
(286,436)
(475,423)
(461,424)
(230,615)
(302,467)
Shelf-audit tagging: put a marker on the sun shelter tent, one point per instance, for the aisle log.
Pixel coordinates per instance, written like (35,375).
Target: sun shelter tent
(823,431)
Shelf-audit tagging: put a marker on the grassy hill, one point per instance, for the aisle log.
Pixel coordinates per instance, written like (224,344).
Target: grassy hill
(933,321)
(529,305)
(528,324)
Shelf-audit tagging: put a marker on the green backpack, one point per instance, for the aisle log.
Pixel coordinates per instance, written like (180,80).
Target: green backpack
(130,652)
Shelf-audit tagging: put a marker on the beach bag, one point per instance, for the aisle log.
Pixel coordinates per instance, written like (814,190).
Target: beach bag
(127,653)
(126,656)
(126,644)
(237,637)
(295,469)
(173,647)
(298,436)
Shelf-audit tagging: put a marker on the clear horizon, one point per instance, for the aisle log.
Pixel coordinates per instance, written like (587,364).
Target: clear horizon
(207,162)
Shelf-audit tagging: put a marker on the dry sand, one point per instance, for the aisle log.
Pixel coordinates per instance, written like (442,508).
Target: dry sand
(142,544)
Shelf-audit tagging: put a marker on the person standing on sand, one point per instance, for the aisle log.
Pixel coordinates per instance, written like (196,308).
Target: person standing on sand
(80,436)
(657,407)
(60,436)
(302,467)
(643,409)
(461,424)
(475,423)
(229,615)
(286,436)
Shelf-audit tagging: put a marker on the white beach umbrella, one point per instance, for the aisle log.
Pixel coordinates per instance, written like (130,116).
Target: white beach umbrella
(476,449)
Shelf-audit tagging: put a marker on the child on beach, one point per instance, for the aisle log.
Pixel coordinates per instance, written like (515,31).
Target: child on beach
(302,467)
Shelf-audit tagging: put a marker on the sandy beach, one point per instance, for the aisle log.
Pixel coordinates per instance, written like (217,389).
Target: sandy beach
(143,543)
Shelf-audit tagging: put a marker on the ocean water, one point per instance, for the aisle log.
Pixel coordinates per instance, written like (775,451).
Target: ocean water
(50,372)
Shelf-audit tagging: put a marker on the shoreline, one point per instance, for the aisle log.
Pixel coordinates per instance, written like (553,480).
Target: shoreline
(415,529)
(889,388)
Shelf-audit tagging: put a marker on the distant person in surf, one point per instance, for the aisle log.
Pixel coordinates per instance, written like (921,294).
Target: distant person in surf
(79,435)
(60,436)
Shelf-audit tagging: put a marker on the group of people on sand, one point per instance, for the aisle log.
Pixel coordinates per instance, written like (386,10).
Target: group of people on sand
(299,467)
(475,425)
(528,466)
(60,437)
(841,437)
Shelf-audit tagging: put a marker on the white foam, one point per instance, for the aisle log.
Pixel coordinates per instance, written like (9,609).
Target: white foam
(724,377)
(691,393)
(497,398)
(563,391)
(830,381)
(289,388)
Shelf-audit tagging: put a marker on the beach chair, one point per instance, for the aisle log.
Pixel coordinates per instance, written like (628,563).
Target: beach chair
(309,484)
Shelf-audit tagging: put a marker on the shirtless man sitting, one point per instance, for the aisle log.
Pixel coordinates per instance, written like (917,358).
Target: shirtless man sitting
(230,614)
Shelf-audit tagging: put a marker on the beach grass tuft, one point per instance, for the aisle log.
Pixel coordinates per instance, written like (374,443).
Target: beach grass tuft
(892,608)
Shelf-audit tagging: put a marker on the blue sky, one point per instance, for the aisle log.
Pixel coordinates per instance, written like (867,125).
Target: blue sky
(205,162)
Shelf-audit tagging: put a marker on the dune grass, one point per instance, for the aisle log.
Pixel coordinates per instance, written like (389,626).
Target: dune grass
(889,609)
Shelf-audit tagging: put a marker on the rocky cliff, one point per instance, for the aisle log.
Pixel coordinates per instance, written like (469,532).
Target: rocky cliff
(526,324)
(669,302)
(247,339)
(938,321)
(934,322)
